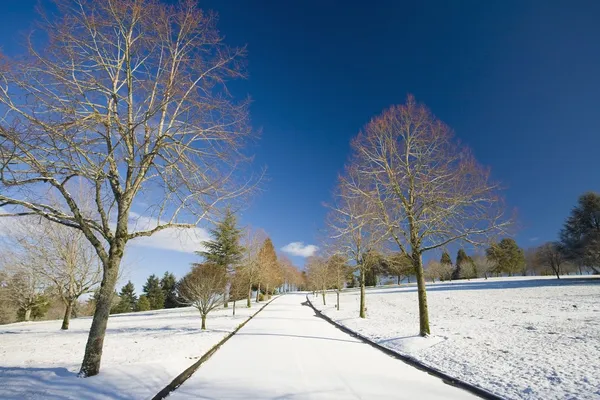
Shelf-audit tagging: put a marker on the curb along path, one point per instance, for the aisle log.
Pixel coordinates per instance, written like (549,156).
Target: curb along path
(409,360)
(188,372)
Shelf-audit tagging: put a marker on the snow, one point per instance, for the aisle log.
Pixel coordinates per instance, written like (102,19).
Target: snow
(519,338)
(143,352)
(286,352)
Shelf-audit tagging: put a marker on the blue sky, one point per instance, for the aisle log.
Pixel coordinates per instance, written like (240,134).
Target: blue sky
(518,81)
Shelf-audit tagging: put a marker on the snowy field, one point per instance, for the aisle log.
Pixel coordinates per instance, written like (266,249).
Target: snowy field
(143,352)
(520,338)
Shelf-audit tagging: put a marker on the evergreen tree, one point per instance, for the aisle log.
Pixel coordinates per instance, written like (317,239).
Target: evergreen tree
(580,236)
(154,293)
(507,256)
(446,258)
(168,285)
(462,259)
(143,304)
(224,249)
(127,300)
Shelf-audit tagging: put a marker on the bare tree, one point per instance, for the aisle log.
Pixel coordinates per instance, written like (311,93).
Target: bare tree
(351,229)
(399,265)
(203,288)
(249,269)
(319,274)
(483,266)
(338,272)
(128,96)
(25,286)
(60,254)
(290,275)
(425,188)
(551,255)
(437,270)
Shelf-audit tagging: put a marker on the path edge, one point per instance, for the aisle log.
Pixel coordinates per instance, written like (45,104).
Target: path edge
(189,371)
(447,379)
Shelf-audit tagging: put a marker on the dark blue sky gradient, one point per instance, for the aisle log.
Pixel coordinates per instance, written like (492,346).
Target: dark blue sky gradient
(518,81)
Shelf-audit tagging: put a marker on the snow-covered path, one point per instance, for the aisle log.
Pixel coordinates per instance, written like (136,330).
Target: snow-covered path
(287,352)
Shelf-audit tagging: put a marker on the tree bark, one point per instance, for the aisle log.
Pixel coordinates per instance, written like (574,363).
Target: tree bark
(362,294)
(226,298)
(93,349)
(258,293)
(203,322)
(67,317)
(27,316)
(423,311)
(323,293)
(234,307)
(248,303)
(338,300)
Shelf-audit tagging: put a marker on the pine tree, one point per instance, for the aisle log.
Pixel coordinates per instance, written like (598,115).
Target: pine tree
(446,258)
(154,293)
(143,304)
(168,285)
(580,236)
(224,249)
(461,262)
(127,300)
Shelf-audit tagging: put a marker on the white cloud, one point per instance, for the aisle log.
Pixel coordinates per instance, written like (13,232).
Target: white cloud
(300,249)
(186,240)
(534,239)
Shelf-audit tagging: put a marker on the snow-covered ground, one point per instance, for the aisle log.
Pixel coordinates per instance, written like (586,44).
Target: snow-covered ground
(143,352)
(286,352)
(520,338)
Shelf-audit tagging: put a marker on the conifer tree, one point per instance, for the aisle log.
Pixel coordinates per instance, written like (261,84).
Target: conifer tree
(580,236)
(224,249)
(168,285)
(446,258)
(462,259)
(154,293)
(143,304)
(128,299)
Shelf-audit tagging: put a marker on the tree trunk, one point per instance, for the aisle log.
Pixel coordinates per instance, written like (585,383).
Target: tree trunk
(203,322)
(323,293)
(423,311)
(399,279)
(67,317)
(362,294)
(93,349)
(226,297)
(27,316)
(258,293)
(234,307)
(267,293)
(338,300)
(248,303)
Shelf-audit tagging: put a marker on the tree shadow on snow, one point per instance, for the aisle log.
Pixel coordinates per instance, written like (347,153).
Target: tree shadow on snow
(490,285)
(52,383)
